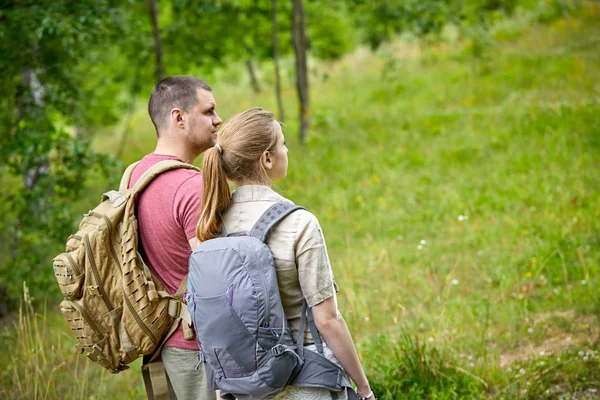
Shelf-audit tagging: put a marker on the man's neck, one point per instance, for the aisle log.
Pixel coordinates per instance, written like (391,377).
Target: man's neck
(175,149)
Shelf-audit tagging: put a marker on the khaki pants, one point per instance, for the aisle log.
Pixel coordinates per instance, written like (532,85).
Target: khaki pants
(185,382)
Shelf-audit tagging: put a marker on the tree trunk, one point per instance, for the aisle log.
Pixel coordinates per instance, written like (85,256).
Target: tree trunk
(300,49)
(159,70)
(252,70)
(29,103)
(31,100)
(276,60)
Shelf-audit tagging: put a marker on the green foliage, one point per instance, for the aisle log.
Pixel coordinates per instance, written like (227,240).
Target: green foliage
(379,21)
(46,162)
(331,30)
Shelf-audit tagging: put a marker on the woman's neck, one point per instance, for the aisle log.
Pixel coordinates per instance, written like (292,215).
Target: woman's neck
(250,182)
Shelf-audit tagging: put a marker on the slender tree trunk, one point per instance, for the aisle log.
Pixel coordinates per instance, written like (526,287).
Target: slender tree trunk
(32,99)
(30,103)
(252,70)
(159,69)
(276,60)
(300,49)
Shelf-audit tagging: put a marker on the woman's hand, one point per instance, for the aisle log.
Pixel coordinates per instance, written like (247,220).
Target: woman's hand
(365,393)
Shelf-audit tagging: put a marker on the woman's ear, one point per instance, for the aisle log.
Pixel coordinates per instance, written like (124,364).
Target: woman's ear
(266,160)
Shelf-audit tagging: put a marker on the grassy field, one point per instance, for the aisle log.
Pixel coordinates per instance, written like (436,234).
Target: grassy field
(460,199)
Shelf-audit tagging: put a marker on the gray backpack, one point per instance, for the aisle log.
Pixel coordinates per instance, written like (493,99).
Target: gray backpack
(234,302)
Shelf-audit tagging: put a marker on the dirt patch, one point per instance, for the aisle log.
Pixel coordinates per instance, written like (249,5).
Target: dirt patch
(585,329)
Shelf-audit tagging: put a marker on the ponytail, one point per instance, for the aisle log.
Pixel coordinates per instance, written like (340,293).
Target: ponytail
(242,141)
(216,196)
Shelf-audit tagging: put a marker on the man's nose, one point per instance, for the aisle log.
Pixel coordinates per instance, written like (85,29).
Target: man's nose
(217,120)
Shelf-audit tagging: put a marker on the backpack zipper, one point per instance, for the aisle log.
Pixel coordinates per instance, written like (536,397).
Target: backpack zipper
(73,264)
(90,255)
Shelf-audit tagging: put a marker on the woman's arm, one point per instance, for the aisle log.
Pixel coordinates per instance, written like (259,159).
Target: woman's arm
(337,336)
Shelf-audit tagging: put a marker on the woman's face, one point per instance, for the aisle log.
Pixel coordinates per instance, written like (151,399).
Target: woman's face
(279,159)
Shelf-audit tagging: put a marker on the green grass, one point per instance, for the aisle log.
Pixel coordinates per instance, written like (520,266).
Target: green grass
(460,199)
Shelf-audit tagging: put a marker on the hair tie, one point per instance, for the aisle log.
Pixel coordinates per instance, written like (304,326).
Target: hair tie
(218,146)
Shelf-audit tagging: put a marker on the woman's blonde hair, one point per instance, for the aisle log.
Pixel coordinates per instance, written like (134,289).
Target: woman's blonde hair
(242,141)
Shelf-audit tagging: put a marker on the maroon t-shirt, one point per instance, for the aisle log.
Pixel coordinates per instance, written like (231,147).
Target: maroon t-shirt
(168,211)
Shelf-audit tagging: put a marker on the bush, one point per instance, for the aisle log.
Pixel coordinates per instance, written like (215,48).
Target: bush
(408,367)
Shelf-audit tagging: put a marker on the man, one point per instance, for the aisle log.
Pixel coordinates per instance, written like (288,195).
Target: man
(183,111)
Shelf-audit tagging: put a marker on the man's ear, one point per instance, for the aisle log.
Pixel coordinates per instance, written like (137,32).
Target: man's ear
(266,160)
(177,118)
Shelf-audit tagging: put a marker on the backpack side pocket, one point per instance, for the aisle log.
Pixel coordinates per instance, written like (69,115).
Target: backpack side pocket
(69,275)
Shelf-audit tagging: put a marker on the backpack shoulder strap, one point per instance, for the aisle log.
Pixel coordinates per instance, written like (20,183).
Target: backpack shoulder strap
(157,169)
(271,217)
(127,177)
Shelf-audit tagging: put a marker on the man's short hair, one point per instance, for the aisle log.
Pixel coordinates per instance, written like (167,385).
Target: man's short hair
(177,91)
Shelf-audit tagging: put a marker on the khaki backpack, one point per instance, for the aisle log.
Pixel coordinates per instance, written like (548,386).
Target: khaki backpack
(114,304)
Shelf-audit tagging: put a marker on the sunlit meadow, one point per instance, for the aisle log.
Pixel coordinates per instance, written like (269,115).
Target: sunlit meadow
(460,199)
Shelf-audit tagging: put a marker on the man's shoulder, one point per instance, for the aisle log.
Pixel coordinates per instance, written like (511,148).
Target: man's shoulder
(173,178)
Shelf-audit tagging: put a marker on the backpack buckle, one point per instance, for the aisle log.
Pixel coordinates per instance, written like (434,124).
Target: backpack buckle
(277,350)
(94,290)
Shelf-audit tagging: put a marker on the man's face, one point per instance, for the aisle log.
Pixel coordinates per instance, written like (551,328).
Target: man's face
(202,122)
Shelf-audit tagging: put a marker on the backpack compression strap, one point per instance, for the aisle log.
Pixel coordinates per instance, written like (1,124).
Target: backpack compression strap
(271,217)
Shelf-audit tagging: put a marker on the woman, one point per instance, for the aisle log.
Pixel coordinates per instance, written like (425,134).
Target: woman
(251,152)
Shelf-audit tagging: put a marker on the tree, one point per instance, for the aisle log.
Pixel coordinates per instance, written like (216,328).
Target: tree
(276,60)
(153,14)
(300,50)
(43,161)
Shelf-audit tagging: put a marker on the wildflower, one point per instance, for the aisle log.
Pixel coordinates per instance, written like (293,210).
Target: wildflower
(462,218)
(455,282)
(367,319)
(530,330)
(430,339)
(522,371)
(542,353)
(419,247)
(423,242)
(583,282)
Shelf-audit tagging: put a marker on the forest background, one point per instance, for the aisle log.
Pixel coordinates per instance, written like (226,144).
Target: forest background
(449,148)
